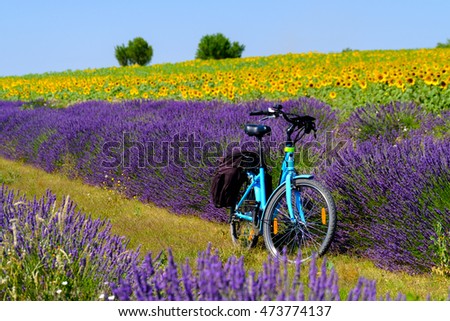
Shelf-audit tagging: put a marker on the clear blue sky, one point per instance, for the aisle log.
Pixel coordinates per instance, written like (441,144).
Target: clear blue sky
(56,35)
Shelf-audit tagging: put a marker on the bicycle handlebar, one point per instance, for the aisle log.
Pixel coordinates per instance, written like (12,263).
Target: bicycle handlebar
(297,121)
(259,113)
(289,117)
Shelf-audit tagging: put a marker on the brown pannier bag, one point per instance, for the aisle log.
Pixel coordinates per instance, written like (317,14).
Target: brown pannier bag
(230,175)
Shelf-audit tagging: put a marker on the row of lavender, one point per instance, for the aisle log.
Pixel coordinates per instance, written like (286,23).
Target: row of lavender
(162,152)
(72,257)
(388,166)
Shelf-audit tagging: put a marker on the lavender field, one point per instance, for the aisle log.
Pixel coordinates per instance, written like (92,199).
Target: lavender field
(387,166)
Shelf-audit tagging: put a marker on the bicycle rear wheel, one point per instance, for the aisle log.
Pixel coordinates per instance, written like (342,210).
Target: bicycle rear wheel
(313,235)
(245,233)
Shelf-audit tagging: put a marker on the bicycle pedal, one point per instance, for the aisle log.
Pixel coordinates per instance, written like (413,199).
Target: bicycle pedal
(255,218)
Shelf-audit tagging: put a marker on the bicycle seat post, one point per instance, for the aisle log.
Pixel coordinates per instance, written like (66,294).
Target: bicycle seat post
(261,152)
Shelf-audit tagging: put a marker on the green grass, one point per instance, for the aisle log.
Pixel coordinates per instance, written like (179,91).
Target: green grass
(156,229)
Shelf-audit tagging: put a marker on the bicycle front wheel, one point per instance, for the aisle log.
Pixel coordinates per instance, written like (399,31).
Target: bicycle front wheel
(310,228)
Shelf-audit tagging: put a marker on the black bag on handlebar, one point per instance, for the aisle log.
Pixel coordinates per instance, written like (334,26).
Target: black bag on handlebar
(230,175)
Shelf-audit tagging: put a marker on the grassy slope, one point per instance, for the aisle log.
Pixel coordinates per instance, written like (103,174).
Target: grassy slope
(156,229)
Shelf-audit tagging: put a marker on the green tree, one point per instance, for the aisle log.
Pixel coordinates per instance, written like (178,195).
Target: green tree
(217,46)
(138,52)
(122,55)
(444,45)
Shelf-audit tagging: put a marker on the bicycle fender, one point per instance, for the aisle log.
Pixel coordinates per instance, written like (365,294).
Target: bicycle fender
(304,176)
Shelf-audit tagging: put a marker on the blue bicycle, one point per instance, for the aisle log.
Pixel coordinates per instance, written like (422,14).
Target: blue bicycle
(300,215)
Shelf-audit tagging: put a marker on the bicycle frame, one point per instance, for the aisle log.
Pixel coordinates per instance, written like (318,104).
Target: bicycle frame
(287,175)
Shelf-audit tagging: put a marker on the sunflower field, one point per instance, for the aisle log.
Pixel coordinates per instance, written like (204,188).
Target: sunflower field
(343,80)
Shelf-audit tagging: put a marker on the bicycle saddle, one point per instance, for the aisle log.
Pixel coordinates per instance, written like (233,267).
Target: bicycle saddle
(257,130)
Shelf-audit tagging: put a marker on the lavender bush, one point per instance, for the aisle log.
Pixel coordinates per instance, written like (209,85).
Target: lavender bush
(394,122)
(212,280)
(54,253)
(390,198)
